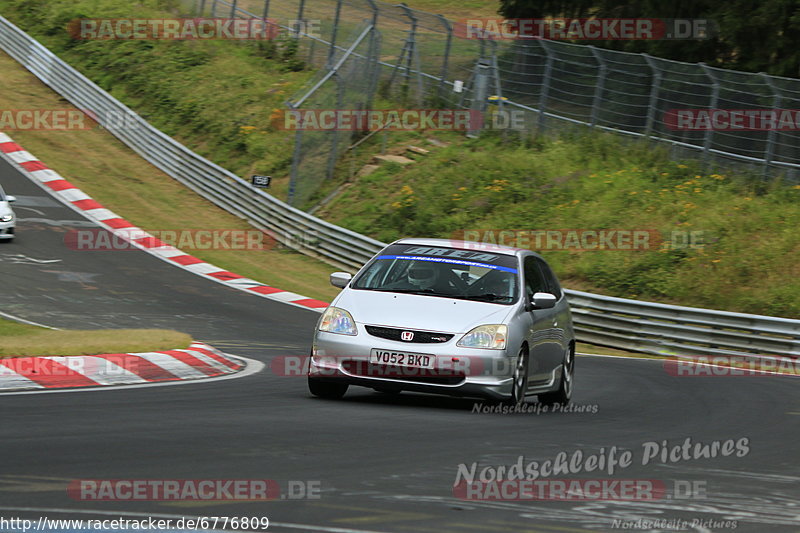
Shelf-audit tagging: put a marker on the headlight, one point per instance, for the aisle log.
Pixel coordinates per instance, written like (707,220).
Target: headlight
(490,336)
(6,218)
(335,320)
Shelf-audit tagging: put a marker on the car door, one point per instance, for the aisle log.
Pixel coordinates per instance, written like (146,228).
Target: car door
(545,355)
(562,319)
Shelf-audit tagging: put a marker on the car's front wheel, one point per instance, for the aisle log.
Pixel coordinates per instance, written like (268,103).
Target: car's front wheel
(520,384)
(326,389)
(564,393)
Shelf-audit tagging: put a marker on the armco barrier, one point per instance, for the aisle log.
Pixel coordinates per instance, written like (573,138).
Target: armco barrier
(627,324)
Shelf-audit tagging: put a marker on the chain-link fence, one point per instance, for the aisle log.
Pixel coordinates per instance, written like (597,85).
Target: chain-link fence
(348,81)
(426,61)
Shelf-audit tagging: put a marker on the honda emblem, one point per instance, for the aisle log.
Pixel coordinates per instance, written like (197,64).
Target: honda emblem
(407,336)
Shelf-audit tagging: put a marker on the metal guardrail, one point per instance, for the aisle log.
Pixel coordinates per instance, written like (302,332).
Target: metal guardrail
(552,83)
(288,225)
(628,324)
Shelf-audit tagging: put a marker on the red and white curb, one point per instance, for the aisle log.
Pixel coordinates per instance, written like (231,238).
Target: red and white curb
(76,199)
(199,361)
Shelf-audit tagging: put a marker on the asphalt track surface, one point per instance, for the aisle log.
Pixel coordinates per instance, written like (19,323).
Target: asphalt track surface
(383,463)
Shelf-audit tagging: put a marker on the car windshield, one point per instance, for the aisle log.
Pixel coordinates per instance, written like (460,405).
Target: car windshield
(443,272)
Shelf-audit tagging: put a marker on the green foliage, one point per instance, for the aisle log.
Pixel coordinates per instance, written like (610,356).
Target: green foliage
(218,96)
(746,260)
(752,36)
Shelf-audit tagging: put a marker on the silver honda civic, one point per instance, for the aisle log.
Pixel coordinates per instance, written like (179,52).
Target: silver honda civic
(447,317)
(7,217)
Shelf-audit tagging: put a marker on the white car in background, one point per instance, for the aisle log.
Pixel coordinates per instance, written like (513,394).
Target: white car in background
(8,221)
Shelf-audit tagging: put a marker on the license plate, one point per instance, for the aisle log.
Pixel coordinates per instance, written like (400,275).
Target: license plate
(393,357)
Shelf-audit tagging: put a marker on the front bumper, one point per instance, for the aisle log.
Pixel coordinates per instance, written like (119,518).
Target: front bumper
(7,230)
(465,372)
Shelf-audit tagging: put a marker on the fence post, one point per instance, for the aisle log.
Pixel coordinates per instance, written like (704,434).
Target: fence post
(265,16)
(213,8)
(714,99)
(654,90)
(233,9)
(373,52)
(409,56)
(300,14)
(479,93)
(296,156)
(601,83)
(333,155)
(548,73)
(336,15)
(202,8)
(777,101)
(445,63)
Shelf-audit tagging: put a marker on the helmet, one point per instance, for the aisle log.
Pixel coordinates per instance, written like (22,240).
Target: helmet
(500,284)
(422,274)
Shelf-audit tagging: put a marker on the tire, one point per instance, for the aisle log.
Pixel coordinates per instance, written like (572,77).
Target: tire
(326,389)
(564,393)
(520,384)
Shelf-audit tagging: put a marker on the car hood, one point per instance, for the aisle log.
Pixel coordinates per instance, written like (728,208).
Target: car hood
(412,311)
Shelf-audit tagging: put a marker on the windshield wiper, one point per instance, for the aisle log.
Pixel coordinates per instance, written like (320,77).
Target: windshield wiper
(490,296)
(425,292)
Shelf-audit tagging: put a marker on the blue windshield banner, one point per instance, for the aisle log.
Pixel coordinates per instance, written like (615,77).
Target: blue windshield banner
(448,260)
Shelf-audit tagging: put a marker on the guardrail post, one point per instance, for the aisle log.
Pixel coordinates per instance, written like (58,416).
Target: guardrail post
(601,83)
(446,61)
(777,101)
(548,74)
(654,90)
(714,99)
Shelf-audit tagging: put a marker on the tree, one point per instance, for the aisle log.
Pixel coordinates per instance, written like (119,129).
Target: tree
(751,35)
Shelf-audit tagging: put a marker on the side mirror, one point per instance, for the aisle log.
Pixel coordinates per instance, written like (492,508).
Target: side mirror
(543,300)
(340,279)
(10,198)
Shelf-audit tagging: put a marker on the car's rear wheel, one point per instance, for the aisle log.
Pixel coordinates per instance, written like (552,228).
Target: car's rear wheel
(326,389)
(520,384)
(564,393)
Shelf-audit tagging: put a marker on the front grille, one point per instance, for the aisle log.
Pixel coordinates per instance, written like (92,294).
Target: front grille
(421,337)
(431,376)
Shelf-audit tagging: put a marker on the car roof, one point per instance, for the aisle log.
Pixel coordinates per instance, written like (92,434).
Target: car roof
(463,245)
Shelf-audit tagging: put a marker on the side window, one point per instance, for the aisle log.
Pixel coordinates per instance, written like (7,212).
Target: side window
(550,280)
(533,277)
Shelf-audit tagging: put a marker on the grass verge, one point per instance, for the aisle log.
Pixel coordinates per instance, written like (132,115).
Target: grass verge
(25,340)
(118,178)
(217,98)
